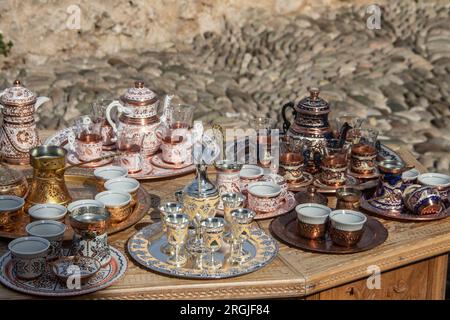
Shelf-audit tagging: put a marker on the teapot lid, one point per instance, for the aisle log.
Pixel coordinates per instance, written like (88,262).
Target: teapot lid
(17,95)
(310,195)
(313,104)
(139,95)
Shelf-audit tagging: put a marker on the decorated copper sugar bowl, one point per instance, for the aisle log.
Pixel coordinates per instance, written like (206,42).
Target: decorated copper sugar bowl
(18,133)
(138,112)
(12,182)
(311,126)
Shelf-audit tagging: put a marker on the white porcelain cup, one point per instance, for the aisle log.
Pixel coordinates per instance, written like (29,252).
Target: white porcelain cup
(83,203)
(312,213)
(104,174)
(51,230)
(347,220)
(438,180)
(264,196)
(47,211)
(118,203)
(29,256)
(128,185)
(410,176)
(10,209)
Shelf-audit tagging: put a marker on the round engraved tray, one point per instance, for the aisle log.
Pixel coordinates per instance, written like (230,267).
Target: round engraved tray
(149,171)
(82,185)
(144,247)
(49,286)
(286,227)
(404,215)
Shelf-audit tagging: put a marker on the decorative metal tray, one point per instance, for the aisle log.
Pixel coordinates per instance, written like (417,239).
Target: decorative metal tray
(144,246)
(405,215)
(48,284)
(82,185)
(148,172)
(285,228)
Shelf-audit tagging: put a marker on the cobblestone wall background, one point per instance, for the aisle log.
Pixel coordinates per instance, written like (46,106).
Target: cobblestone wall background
(235,60)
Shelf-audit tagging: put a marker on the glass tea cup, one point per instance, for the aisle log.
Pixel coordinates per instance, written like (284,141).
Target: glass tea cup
(85,139)
(129,144)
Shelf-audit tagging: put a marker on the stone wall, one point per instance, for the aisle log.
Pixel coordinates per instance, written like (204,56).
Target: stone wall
(234,60)
(43,28)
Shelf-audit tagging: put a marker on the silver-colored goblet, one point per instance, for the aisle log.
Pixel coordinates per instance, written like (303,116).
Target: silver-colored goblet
(242,219)
(212,237)
(177,231)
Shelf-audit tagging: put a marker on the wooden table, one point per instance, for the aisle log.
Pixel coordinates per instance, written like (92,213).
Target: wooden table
(413,262)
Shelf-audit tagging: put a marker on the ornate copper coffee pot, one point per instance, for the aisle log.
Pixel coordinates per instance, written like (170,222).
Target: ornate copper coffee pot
(18,132)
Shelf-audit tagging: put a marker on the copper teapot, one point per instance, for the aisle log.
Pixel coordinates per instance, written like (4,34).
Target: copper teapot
(18,132)
(137,112)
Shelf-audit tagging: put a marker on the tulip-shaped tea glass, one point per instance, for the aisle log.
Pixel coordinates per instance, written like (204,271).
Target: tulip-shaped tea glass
(164,210)
(242,220)
(99,112)
(129,144)
(354,121)
(231,201)
(177,231)
(212,236)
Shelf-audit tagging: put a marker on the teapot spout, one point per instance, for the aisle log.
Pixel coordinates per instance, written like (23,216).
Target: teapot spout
(40,101)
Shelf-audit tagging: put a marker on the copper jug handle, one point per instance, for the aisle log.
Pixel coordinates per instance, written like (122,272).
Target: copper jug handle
(286,122)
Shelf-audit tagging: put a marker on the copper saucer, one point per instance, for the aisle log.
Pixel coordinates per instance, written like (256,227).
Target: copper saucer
(73,159)
(159,162)
(285,228)
(306,181)
(323,188)
(372,175)
(404,215)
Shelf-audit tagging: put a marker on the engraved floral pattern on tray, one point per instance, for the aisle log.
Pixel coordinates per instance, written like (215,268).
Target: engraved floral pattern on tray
(141,243)
(49,285)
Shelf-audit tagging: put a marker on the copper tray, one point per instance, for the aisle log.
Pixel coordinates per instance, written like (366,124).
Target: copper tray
(82,186)
(405,215)
(285,228)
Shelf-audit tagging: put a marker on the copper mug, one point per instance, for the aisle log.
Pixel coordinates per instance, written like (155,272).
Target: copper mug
(90,239)
(348,198)
(291,167)
(363,158)
(334,170)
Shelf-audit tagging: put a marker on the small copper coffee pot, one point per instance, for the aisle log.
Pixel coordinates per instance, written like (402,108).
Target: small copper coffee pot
(48,184)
